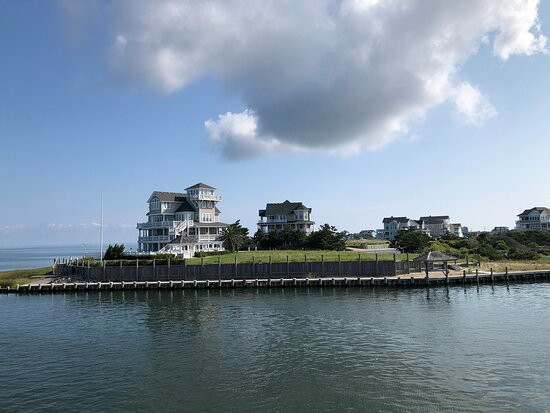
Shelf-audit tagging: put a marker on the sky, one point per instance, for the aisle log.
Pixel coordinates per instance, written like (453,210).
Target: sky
(360,109)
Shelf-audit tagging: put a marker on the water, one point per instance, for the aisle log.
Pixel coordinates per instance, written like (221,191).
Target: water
(35,257)
(278,350)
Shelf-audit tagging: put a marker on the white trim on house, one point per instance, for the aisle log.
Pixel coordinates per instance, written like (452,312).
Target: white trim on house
(182,223)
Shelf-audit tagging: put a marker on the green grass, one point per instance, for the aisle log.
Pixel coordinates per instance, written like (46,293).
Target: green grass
(13,277)
(293,256)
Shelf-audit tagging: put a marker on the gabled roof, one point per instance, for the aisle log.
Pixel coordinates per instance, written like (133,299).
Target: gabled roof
(435,256)
(185,207)
(440,217)
(432,220)
(200,185)
(538,209)
(182,239)
(283,208)
(168,196)
(387,220)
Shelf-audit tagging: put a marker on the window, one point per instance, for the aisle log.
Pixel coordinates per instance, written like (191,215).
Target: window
(155,204)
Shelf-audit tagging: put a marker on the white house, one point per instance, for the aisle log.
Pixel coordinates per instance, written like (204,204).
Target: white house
(392,225)
(182,223)
(534,219)
(436,226)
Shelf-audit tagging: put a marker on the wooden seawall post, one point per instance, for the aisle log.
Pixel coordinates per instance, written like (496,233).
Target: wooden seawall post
(287,266)
(427,269)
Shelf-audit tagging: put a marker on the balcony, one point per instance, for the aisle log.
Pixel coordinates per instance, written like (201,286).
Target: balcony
(162,224)
(155,238)
(206,197)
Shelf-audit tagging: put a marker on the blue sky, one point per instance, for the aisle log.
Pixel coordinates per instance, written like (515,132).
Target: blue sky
(73,125)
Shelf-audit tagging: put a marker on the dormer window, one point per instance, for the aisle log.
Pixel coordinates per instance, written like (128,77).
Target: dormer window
(155,204)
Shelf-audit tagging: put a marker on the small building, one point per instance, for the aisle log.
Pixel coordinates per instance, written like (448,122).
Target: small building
(367,233)
(456,230)
(182,223)
(534,219)
(500,230)
(278,216)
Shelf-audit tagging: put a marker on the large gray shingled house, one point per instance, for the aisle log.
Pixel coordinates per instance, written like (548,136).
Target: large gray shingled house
(277,216)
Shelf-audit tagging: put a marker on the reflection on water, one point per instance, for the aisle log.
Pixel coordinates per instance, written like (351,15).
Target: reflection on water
(438,349)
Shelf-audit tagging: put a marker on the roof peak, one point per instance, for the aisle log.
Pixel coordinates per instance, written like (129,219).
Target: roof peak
(200,185)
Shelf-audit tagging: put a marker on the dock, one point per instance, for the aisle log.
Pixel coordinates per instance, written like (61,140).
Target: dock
(395,282)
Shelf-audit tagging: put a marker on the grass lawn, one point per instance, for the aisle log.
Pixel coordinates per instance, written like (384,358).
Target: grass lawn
(13,277)
(293,256)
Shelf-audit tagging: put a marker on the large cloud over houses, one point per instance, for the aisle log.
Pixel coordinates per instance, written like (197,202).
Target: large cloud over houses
(335,75)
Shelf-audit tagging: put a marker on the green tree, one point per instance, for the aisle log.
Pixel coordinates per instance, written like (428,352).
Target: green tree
(326,238)
(234,236)
(292,238)
(259,239)
(114,252)
(411,240)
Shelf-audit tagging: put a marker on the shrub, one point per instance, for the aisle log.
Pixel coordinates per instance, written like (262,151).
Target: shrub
(523,255)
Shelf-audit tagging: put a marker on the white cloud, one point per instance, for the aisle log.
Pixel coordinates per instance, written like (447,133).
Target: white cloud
(472,106)
(334,75)
(237,137)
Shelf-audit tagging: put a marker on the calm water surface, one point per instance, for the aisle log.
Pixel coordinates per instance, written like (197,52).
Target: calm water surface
(280,350)
(34,257)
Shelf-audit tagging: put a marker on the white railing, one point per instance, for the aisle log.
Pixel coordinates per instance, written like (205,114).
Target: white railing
(206,197)
(144,225)
(155,238)
(181,226)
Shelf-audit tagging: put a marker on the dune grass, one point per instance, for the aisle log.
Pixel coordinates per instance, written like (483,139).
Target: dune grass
(542,263)
(13,277)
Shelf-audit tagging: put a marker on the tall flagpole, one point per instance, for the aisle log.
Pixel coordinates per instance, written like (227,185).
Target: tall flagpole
(101,231)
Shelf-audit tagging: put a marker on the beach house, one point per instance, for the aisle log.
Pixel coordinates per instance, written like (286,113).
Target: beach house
(182,223)
(534,219)
(278,216)
(392,226)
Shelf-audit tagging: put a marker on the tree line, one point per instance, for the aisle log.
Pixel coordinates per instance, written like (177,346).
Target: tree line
(235,237)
